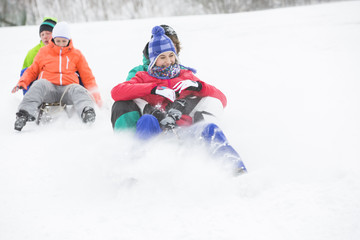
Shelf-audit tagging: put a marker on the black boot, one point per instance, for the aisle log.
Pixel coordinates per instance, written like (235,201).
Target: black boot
(21,118)
(88,115)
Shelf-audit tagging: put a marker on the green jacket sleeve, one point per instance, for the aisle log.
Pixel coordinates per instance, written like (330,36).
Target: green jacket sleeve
(31,55)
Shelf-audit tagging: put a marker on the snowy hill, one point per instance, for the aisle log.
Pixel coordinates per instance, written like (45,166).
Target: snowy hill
(292,80)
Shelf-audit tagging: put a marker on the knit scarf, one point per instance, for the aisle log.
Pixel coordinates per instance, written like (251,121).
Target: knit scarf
(165,72)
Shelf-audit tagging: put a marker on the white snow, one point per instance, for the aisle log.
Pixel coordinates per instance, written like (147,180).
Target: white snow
(291,76)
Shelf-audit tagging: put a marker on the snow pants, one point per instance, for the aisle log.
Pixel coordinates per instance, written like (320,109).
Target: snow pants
(201,133)
(44,91)
(125,114)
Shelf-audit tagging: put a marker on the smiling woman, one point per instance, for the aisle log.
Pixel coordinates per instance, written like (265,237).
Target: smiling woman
(163,83)
(174,100)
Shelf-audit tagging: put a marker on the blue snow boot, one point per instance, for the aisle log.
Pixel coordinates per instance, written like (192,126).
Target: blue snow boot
(228,153)
(213,134)
(147,126)
(220,147)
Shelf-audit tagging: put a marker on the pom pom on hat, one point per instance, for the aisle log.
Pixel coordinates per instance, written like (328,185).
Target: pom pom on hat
(157,31)
(159,44)
(48,24)
(61,29)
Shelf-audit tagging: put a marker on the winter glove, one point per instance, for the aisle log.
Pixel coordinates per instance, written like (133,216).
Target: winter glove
(169,122)
(20,85)
(187,85)
(97,98)
(179,104)
(164,92)
(157,113)
(174,113)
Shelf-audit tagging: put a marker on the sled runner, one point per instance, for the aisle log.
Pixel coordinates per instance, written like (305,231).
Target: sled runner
(47,111)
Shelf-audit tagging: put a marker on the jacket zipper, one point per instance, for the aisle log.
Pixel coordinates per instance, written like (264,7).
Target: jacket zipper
(60,67)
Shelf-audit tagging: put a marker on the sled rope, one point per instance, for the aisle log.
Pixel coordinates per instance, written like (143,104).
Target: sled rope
(43,107)
(62,96)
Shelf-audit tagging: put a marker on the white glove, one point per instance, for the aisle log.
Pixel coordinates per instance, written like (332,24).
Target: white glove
(187,84)
(165,92)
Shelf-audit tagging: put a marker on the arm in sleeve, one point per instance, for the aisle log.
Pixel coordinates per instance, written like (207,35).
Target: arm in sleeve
(86,74)
(30,56)
(31,72)
(88,79)
(129,90)
(208,90)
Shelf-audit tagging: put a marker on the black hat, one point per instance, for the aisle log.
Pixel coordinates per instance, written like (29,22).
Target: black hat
(48,24)
(169,31)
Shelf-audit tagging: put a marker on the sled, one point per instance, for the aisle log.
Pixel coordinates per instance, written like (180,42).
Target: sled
(48,111)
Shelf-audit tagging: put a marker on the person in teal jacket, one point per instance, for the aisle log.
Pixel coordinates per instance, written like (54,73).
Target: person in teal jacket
(124,114)
(45,32)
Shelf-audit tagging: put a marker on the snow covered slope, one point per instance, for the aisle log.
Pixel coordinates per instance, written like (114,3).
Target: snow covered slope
(292,80)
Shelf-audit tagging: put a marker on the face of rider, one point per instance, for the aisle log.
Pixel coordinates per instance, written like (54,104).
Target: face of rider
(45,37)
(165,59)
(61,42)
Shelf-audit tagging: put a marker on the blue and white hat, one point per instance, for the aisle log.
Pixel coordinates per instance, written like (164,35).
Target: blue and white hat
(61,29)
(159,44)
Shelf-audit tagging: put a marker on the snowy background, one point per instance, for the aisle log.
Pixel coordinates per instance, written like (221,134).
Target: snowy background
(25,12)
(292,80)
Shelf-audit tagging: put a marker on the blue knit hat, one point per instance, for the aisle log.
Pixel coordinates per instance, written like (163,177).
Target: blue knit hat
(159,44)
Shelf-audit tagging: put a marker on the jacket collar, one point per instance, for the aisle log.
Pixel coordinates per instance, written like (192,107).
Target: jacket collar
(57,48)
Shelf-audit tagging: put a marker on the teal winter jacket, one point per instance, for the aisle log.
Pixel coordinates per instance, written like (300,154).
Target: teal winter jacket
(139,68)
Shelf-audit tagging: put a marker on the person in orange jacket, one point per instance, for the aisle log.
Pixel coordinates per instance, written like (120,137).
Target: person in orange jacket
(56,67)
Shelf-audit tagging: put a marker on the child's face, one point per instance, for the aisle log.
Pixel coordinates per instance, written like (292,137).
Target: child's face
(61,42)
(45,37)
(165,59)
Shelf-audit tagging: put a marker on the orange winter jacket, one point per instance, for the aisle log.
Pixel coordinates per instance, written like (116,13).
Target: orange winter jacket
(59,66)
